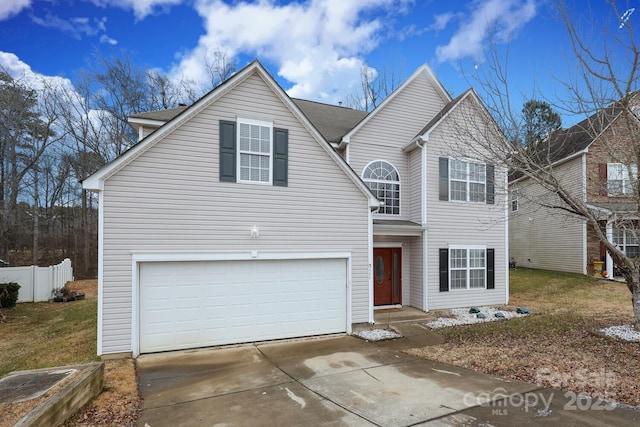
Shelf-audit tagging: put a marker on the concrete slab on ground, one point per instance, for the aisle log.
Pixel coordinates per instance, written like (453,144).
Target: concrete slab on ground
(345,381)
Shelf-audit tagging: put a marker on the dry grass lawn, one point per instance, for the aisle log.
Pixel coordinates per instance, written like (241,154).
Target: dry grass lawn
(558,346)
(40,335)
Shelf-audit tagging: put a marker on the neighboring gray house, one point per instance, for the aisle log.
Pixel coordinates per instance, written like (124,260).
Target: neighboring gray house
(251,216)
(595,160)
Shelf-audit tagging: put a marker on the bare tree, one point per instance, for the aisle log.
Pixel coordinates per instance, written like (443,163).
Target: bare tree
(27,129)
(603,91)
(219,66)
(374,87)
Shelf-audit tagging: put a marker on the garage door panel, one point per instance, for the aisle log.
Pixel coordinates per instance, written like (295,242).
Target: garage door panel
(197,304)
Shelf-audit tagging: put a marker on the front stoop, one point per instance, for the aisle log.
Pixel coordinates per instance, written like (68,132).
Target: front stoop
(71,397)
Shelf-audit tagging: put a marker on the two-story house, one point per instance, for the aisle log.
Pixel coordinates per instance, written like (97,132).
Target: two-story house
(595,160)
(250,216)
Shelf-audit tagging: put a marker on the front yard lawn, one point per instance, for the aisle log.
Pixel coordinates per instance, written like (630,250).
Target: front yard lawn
(41,335)
(558,346)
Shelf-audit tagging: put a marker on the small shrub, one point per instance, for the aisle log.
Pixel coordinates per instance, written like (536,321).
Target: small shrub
(8,294)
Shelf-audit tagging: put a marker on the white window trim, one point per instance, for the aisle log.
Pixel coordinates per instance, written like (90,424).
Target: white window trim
(398,182)
(240,121)
(626,189)
(468,268)
(468,192)
(625,237)
(514,198)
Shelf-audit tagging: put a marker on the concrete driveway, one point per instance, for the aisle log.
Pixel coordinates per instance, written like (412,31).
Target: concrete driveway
(342,381)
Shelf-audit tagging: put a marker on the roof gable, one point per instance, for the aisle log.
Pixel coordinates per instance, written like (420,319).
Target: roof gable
(423,70)
(96,181)
(447,110)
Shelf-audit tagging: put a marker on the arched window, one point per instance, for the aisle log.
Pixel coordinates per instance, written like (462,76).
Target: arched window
(384,181)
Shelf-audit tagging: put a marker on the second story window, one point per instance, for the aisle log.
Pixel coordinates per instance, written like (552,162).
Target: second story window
(384,181)
(620,178)
(254,148)
(514,200)
(467,181)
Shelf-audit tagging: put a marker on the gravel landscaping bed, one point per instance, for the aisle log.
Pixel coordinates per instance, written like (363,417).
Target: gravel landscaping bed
(462,316)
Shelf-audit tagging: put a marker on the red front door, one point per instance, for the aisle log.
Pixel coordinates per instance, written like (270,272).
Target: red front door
(387,276)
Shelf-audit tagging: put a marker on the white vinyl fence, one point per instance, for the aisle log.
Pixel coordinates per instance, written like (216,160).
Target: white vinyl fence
(38,283)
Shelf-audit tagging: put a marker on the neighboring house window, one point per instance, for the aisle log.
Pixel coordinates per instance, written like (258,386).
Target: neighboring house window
(627,241)
(384,181)
(467,267)
(254,152)
(619,180)
(514,200)
(466,181)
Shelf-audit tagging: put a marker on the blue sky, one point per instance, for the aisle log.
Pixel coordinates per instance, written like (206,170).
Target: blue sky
(315,48)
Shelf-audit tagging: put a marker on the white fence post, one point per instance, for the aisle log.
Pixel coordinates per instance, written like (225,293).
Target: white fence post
(38,283)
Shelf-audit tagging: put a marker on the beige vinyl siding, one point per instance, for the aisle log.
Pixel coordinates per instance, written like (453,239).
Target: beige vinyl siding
(546,238)
(462,223)
(170,199)
(417,274)
(415,186)
(392,127)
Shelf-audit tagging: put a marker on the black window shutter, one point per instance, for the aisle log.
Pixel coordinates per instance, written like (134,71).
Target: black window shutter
(227,151)
(491,269)
(280,157)
(444,178)
(444,270)
(490,184)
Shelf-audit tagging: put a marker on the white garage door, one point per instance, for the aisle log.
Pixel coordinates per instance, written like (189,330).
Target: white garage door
(204,303)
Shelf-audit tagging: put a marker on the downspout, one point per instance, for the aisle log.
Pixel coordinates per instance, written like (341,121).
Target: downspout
(425,246)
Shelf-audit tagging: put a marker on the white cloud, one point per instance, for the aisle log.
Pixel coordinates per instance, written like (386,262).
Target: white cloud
(317,45)
(441,21)
(141,8)
(76,27)
(498,19)
(108,40)
(21,71)
(8,8)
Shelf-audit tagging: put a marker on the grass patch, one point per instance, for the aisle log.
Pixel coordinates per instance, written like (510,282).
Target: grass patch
(558,345)
(41,335)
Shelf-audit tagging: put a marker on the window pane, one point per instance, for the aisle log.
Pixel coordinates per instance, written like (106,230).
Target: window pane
(382,178)
(458,190)
(618,236)
(614,186)
(476,192)
(458,170)
(459,279)
(632,251)
(476,279)
(476,258)
(476,172)
(458,258)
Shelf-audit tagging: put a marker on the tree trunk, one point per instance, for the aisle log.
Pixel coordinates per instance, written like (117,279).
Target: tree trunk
(635,299)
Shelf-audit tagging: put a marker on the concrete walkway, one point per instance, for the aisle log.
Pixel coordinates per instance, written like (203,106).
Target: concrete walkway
(344,381)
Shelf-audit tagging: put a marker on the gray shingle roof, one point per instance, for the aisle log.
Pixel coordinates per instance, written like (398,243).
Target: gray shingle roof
(160,115)
(443,113)
(332,121)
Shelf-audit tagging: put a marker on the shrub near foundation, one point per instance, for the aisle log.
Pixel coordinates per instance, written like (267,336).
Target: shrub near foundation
(8,294)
